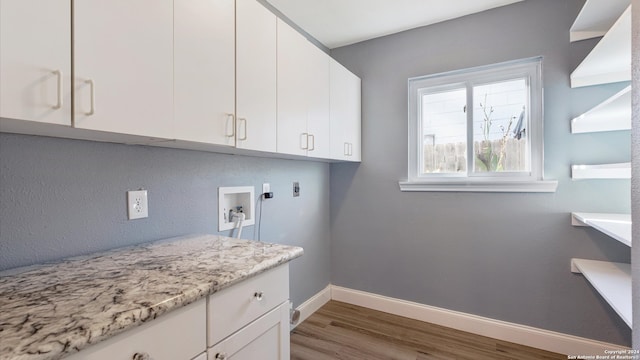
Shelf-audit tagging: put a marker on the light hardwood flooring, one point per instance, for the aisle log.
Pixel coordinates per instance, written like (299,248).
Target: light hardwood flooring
(343,331)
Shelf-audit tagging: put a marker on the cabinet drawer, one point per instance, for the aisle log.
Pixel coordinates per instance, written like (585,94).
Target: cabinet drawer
(234,307)
(266,339)
(178,335)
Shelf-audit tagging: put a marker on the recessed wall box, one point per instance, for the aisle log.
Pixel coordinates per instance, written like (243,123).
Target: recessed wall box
(232,200)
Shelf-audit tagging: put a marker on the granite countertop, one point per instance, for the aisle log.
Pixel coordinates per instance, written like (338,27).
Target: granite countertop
(49,311)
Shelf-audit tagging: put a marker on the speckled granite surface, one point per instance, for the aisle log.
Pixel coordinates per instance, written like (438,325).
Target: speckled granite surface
(54,310)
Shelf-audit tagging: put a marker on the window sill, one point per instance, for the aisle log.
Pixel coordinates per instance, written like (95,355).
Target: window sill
(540,186)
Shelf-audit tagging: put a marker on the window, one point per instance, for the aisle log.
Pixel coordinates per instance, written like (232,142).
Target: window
(478,129)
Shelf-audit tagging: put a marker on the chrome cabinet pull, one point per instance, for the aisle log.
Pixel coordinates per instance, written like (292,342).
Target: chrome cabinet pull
(58,105)
(313,142)
(232,127)
(258,295)
(346,149)
(92,97)
(221,356)
(304,141)
(141,356)
(240,121)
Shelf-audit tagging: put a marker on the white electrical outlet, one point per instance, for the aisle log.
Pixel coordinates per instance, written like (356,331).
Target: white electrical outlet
(266,188)
(137,204)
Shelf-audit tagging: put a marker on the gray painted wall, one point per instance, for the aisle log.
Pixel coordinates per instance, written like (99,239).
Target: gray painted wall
(635,182)
(503,256)
(60,198)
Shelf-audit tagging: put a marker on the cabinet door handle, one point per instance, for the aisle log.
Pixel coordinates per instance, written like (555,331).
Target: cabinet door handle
(141,356)
(350,149)
(232,127)
(304,141)
(346,149)
(221,356)
(313,142)
(258,295)
(240,121)
(58,74)
(92,97)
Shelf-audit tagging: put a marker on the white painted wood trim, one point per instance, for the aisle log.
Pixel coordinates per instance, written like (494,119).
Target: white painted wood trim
(313,304)
(618,226)
(609,60)
(611,280)
(602,171)
(502,330)
(613,114)
(596,18)
(541,186)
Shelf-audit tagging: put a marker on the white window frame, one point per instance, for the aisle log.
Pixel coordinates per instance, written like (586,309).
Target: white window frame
(531,181)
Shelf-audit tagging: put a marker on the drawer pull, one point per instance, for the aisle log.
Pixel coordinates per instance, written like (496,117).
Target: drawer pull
(258,295)
(221,356)
(141,356)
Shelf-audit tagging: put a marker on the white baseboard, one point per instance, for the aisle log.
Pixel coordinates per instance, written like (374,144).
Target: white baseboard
(502,330)
(313,304)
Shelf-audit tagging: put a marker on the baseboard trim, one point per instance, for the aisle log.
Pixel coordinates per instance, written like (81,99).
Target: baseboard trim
(502,330)
(313,304)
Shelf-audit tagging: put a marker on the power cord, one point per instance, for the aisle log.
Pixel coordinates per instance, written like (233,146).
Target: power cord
(261,199)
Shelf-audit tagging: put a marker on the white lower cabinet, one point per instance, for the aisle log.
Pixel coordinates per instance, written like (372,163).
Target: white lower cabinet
(202,356)
(266,339)
(178,335)
(251,320)
(246,321)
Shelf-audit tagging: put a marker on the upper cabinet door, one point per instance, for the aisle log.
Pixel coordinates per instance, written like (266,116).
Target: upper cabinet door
(293,137)
(123,64)
(35,60)
(345,113)
(317,91)
(204,56)
(255,77)
(303,95)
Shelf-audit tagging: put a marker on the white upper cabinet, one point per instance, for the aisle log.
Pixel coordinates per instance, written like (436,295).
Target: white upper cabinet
(35,60)
(123,64)
(255,77)
(345,114)
(204,56)
(303,95)
(318,91)
(202,72)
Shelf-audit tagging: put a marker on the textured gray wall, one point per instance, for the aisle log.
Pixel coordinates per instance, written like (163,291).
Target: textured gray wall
(635,182)
(503,256)
(60,198)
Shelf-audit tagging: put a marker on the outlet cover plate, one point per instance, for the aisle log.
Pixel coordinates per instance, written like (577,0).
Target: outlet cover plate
(137,205)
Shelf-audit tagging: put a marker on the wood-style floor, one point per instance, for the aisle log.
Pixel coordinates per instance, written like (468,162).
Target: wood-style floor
(344,331)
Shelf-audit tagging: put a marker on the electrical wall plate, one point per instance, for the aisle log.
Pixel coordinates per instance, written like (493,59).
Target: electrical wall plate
(137,205)
(231,198)
(296,189)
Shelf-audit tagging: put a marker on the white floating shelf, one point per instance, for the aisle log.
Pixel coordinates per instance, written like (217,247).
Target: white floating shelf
(611,280)
(596,18)
(604,171)
(610,59)
(618,226)
(610,115)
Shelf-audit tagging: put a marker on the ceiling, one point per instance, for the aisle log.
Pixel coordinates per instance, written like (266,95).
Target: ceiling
(337,23)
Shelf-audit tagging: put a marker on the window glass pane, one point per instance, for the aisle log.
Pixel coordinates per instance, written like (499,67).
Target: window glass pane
(500,134)
(444,132)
